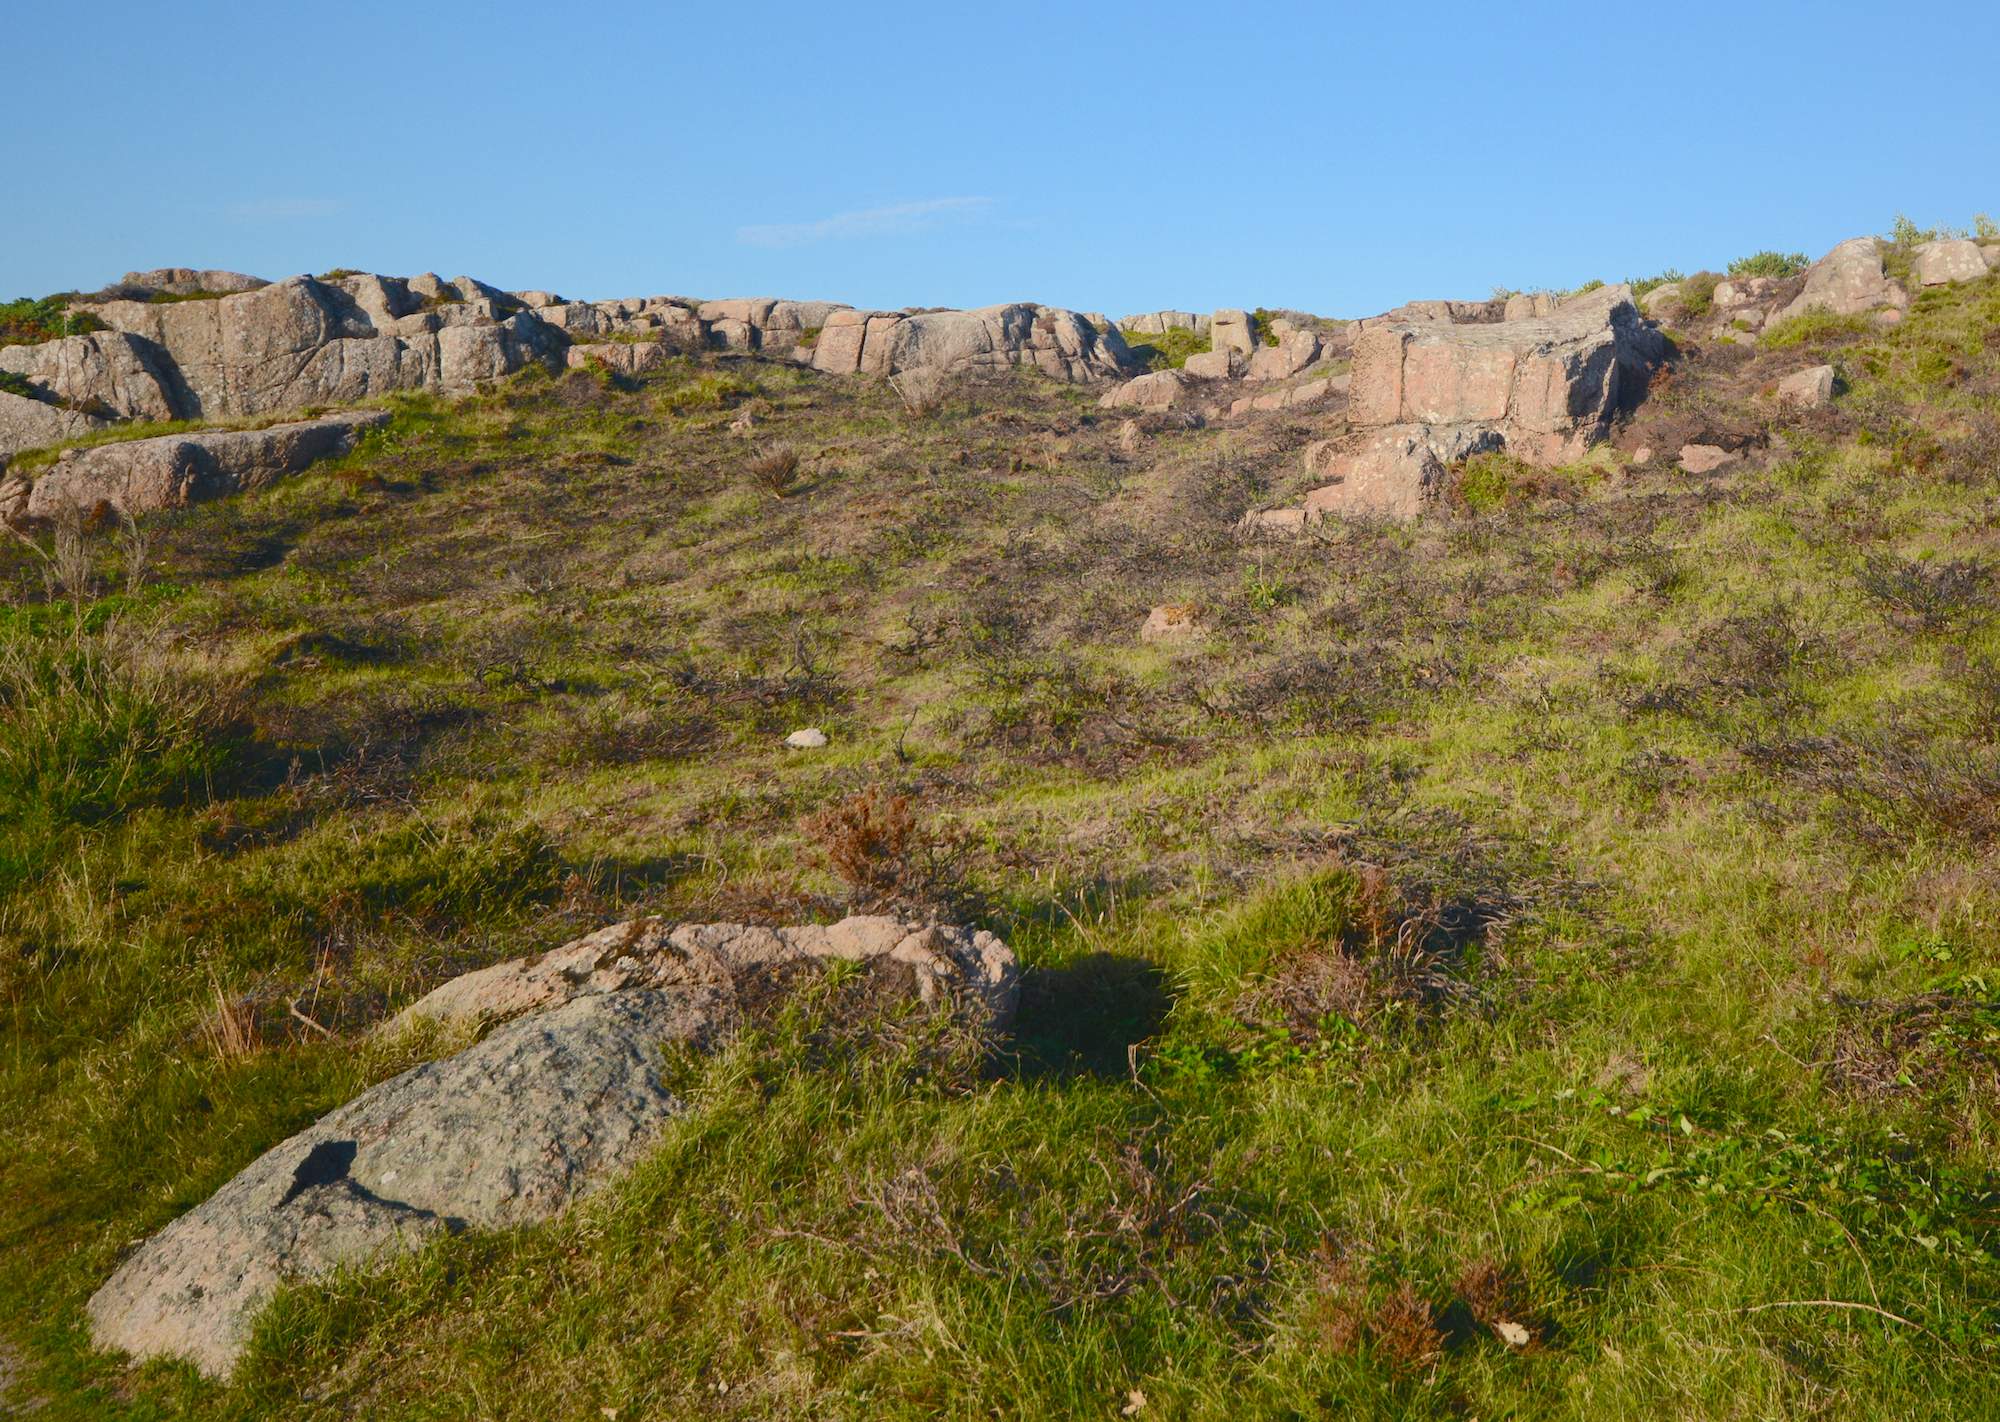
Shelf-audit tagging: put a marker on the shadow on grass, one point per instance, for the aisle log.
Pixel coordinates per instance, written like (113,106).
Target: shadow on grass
(1082,1018)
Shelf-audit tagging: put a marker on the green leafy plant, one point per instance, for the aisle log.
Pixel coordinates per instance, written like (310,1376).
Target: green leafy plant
(30,320)
(1641,285)
(1770,264)
(1167,351)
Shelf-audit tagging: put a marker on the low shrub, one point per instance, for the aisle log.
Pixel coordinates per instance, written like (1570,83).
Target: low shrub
(922,389)
(1698,293)
(1919,596)
(1770,264)
(1168,351)
(1641,285)
(29,321)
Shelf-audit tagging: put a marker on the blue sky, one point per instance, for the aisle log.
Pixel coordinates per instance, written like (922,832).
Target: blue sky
(1111,157)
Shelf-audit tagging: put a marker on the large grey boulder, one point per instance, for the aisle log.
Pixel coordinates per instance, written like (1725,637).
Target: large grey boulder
(563,1094)
(1848,281)
(504,1133)
(172,471)
(1156,391)
(1547,386)
(1947,260)
(107,373)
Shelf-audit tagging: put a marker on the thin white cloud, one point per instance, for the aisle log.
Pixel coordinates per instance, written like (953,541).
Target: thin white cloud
(894,220)
(283,209)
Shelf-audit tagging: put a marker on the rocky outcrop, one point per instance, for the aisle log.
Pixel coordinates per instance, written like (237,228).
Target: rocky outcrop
(565,1093)
(1456,313)
(273,347)
(306,342)
(1947,260)
(32,424)
(1296,349)
(1392,473)
(172,471)
(1546,387)
(1158,323)
(187,281)
(1232,330)
(1056,342)
(1849,281)
(109,374)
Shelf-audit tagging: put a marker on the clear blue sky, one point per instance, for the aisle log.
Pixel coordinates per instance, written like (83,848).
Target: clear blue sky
(1112,157)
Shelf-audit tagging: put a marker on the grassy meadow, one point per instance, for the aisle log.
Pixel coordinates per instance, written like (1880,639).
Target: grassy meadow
(1535,963)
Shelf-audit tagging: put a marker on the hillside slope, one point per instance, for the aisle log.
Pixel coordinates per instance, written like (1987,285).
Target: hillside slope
(1534,960)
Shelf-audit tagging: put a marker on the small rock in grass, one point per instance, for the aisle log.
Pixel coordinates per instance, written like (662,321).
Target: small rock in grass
(1808,389)
(811,738)
(1703,458)
(1170,622)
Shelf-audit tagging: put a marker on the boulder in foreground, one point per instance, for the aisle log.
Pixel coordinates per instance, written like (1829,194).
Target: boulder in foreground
(172,471)
(564,1094)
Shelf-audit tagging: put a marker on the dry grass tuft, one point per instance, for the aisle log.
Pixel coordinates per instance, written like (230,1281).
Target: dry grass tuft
(776,468)
(870,841)
(231,1030)
(923,388)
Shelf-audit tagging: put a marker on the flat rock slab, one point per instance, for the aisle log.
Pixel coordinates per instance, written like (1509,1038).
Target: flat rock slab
(172,471)
(563,1095)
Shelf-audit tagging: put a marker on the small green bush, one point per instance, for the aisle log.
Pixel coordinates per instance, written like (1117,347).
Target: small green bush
(1641,285)
(13,384)
(1770,264)
(1260,327)
(338,273)
(1698,293)
(1166,352)
(30,320)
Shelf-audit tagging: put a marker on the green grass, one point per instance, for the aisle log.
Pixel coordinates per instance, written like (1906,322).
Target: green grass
(1564,921)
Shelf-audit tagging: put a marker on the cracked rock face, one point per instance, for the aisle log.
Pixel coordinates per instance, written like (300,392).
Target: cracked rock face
(564,1094)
